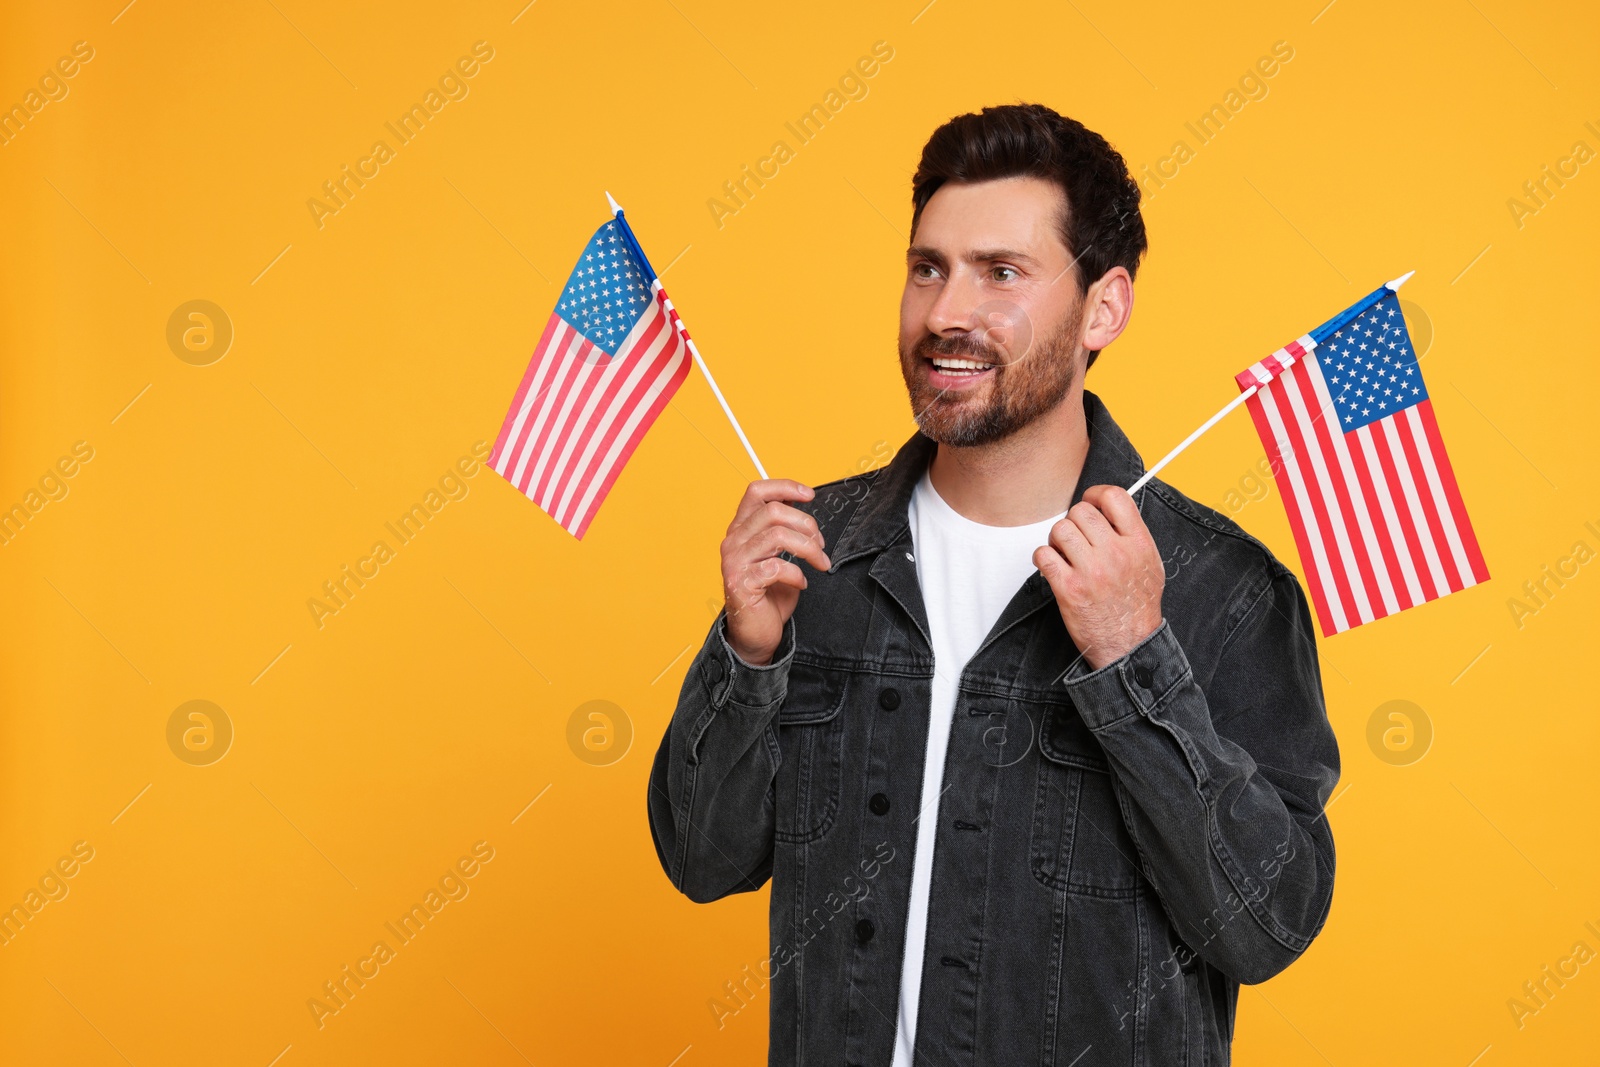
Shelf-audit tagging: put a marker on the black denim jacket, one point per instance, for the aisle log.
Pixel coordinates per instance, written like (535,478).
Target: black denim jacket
(1116,849)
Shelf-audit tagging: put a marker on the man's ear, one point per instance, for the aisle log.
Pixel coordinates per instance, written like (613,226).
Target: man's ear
(1107,307)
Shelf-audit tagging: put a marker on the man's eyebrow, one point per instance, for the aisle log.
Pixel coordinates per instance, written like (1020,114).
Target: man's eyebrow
(981,255)
(995,255)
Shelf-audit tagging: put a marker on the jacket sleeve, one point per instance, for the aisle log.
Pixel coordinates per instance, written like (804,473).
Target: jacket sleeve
(711,799)
(1222,787)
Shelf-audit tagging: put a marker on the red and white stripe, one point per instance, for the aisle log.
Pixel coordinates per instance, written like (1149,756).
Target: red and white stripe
(1376,512)
(1275,364)
(579,413)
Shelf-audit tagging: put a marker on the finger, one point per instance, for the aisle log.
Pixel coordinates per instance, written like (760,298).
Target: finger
(1067,539)
(759,492)
(775,539)
(1050,564)
(1119,509)
(776,513)
(1093,524)
(769,572)
(769,539)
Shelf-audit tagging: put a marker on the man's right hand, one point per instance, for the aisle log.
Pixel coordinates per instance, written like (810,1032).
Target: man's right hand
(761,590)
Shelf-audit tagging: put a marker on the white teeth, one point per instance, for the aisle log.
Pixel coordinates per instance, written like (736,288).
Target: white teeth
(959,364)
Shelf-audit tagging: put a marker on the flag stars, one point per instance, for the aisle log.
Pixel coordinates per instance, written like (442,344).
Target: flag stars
(1378,345)
(605,294)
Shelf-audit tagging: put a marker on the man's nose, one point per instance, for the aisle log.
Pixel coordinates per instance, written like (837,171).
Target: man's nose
(956,307)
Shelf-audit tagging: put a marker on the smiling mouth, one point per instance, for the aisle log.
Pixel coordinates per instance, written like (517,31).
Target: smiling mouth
(959,368)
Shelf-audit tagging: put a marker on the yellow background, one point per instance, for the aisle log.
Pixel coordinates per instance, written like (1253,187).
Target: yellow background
(370,353)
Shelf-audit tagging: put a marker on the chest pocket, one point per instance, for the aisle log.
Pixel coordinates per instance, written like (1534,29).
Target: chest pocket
(1079,842)
(811,742)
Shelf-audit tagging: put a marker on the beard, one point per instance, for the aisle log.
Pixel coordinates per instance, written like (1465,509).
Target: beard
(1019,389)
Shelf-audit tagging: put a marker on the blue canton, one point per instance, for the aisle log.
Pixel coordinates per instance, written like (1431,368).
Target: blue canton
(1371,367)
(607,291)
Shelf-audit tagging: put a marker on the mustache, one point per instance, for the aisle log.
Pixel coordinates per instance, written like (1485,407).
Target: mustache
(960,344)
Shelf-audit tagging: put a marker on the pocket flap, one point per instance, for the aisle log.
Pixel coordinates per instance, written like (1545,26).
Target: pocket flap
(1065,738)
(815,694)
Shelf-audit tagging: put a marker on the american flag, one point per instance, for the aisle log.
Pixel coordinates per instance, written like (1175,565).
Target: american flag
(611,356)
(1350,431)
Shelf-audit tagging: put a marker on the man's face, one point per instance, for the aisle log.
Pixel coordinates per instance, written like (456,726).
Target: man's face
(990,318)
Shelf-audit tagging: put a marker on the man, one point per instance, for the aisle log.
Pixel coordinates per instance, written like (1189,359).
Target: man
(1037,769)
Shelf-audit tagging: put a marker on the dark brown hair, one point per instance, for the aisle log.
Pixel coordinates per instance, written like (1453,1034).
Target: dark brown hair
(1102,227)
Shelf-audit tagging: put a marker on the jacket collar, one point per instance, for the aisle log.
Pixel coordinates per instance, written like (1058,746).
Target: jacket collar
(881,519)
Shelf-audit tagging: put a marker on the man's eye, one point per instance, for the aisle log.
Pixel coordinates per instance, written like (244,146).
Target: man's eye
(1003,274)
(924,271)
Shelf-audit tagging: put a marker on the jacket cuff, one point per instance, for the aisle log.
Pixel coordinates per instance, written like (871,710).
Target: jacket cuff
(728,679)
(1136,684)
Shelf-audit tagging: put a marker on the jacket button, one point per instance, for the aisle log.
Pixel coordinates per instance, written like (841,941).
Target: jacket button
(864,930)
(888,699)
(879,804)
(1143,676)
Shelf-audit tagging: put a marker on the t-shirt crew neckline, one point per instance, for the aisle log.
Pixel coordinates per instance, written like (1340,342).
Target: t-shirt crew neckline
(971,529)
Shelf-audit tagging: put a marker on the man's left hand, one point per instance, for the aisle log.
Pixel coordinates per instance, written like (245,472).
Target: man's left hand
(1106,573)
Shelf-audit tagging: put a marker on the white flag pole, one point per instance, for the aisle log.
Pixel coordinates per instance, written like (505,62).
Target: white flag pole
(1192,438)
(616,211)
(1393,286)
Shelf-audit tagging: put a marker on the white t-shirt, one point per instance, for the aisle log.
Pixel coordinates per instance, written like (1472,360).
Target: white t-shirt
(968,573)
